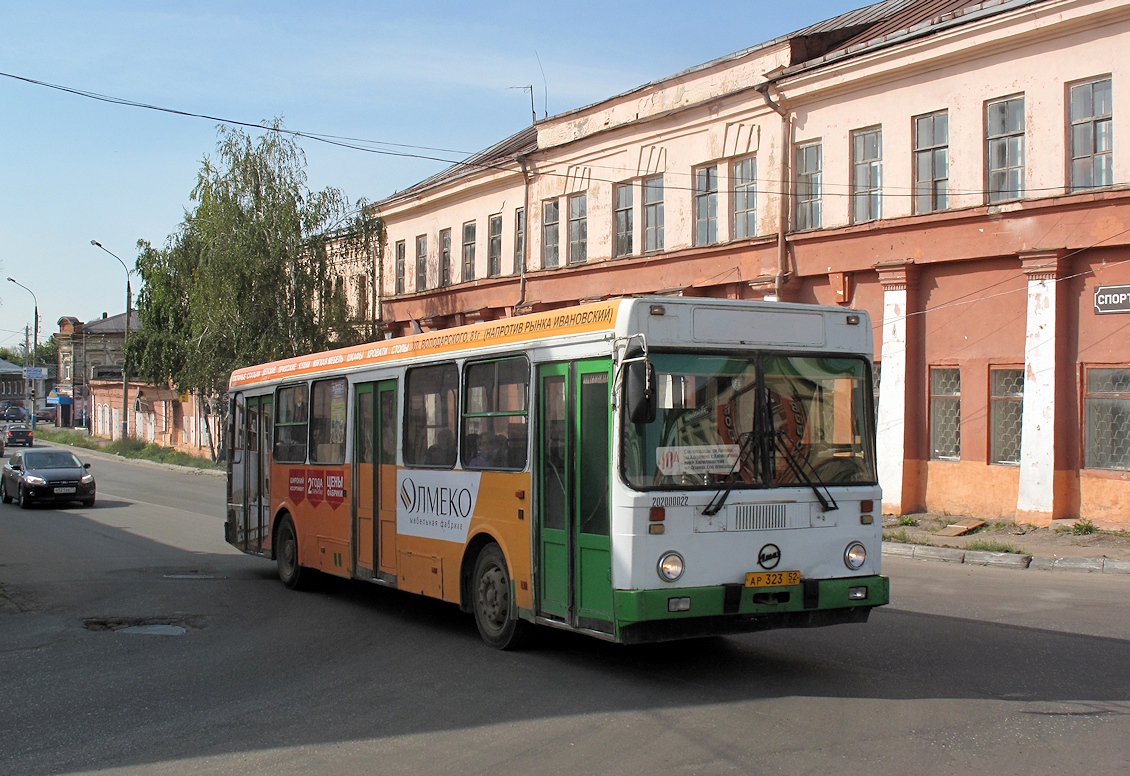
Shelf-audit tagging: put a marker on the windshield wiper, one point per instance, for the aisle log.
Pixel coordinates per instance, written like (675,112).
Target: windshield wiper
(796,463)
(746,443)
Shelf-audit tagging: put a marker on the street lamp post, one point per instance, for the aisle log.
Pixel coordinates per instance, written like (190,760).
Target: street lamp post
(125,341)
(35,349)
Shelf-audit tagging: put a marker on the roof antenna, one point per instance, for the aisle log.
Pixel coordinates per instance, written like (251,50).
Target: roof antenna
(529,89)
(544,88)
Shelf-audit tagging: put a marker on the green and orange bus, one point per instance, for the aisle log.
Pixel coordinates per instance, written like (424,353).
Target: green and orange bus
(637,469)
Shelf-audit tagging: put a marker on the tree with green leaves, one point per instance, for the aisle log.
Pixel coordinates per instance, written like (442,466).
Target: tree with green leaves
(249,275)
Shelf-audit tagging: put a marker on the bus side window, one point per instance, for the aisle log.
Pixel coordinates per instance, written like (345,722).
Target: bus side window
(496,414)
(431,409)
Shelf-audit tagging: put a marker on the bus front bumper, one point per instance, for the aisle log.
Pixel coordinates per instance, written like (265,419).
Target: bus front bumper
(675,613)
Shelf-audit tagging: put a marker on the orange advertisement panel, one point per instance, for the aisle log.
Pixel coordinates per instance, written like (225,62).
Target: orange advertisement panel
(600,316)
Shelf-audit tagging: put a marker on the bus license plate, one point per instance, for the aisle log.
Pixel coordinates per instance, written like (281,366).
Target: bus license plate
(64,490)
(772,578)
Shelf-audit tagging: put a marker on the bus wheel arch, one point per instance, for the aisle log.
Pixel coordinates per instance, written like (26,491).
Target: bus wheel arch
(488,590)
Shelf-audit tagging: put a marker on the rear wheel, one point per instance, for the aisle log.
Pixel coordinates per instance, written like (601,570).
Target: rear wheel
(291,573)
(495,617)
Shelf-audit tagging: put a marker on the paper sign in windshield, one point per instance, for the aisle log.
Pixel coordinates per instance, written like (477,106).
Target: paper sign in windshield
(696,459)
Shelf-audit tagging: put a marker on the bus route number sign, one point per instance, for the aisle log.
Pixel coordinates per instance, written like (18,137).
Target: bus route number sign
(772,578)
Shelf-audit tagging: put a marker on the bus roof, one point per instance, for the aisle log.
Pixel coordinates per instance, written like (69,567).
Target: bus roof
(583,319)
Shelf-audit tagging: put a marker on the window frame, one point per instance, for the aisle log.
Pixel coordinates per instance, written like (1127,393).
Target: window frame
(743,190)
(519,238)
(279,404)
(401,266)
(1089,396)
(705,206)
(623,234)
(997,403)
(445,258)
(938,195)
(871,195)
(551,249)
(578,205)
(992,196)
(934,399)
(652,213)
(313,453)
(808,212)
(464,416)
(494,245)
(1094,120)
(470,236)
(421,262)
(449,382)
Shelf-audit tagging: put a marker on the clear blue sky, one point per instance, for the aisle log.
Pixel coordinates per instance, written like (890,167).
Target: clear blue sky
(429,74)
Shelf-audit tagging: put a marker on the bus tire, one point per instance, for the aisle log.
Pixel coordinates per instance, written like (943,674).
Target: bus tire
(495,617)
(292,574)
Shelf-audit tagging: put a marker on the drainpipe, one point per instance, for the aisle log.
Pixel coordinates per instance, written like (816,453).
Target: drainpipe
(525,233)
(786,186)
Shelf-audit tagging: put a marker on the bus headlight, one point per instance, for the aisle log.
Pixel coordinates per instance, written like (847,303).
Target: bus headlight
(670,566)
(855,556)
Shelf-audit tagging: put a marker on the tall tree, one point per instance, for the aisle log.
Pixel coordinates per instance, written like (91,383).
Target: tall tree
(248,275)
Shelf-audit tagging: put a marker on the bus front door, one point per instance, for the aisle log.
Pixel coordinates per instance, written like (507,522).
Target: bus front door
(574,470)
(374,478)
(257,474)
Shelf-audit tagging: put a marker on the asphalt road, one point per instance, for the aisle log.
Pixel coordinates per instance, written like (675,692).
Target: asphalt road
(970,670)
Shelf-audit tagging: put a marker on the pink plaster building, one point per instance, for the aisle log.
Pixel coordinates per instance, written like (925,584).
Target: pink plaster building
(947,165)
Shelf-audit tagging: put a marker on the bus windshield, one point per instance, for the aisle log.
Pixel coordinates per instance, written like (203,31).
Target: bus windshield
(758,421)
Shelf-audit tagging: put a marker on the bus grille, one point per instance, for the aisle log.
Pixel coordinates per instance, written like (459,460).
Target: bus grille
(760,517)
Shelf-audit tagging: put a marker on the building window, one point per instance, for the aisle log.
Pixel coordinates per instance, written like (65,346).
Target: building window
(362,284)
(706,205)
(653,214)
(1091,136)
(495,410)
(578,228)
(1006,403)
(550,243)
(1004,133)
(519,239)
(469,251)
(808,166)
(622,219)
(431,402)
(744,179)
(931,162)
(421,262)
(400,268)
(867,175)
(945,413)
(445,257)
(494,246)
(1106,406)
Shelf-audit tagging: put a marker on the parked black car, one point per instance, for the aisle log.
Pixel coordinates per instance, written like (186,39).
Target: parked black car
(13,413)
(45,415)
(19,434)
(33,476)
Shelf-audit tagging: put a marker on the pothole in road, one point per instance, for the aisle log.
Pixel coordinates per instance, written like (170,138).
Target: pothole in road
(146,626)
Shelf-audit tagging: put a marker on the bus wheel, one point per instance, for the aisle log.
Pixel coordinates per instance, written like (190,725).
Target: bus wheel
(286,555)
(490,591)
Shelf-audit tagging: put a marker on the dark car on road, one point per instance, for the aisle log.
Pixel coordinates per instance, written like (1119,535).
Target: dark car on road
(19,434)
(45,415)
(48,476)
(13,413)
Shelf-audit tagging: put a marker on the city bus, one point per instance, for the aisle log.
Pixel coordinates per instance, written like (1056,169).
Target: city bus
(636,469)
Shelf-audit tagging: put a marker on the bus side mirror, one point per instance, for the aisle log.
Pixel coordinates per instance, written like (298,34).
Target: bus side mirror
(641,393)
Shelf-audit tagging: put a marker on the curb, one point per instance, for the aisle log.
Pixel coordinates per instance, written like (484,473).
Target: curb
(98,455)
(1005,559)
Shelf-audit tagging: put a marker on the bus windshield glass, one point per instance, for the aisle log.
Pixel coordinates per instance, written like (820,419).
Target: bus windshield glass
(754,422)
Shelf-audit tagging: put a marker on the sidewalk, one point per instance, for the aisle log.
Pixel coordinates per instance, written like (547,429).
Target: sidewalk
(1055,548)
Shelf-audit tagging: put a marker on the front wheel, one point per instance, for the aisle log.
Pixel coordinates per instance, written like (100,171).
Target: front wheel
(291,573)
(4,493)
(22,498)
(498,625)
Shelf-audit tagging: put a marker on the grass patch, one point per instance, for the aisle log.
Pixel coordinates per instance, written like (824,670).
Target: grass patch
(1084,528)
(907,520)
(902,537)
(129,448)
(984,545)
